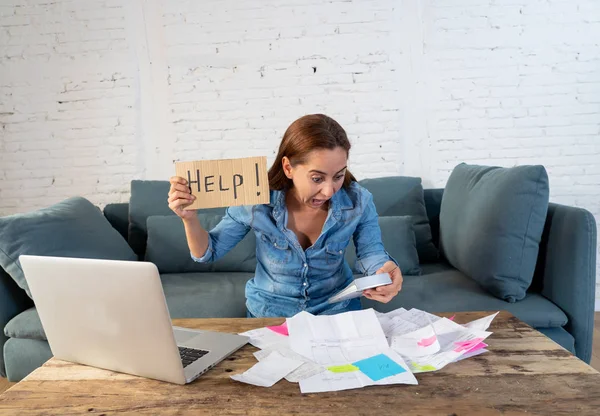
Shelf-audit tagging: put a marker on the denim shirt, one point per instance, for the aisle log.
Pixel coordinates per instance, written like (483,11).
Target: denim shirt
(289,279)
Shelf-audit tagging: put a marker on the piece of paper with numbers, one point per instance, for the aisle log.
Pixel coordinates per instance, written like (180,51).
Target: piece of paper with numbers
(226,182)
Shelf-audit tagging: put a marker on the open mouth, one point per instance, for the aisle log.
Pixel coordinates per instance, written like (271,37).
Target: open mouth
(317,202)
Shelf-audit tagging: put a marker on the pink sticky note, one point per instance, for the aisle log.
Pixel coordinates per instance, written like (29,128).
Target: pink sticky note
(426,342)
(280,329)
(478,347)
(452,317)
(467,345)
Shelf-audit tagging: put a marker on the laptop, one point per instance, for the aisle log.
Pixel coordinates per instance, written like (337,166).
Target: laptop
(113,315)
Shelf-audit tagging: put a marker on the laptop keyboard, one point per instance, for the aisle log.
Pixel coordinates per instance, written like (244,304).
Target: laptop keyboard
(189,355)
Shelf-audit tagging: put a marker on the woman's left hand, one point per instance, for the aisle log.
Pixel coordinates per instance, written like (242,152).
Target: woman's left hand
(386,293)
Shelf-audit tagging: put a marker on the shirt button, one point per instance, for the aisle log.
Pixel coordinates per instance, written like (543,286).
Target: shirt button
(304,284)
(305,265)
(341,251)
(275,244)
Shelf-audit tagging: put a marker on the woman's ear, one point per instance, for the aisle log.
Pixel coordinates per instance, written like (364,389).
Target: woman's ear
(287,167)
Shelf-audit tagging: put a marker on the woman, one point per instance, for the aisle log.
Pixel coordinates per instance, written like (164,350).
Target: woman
(316,208)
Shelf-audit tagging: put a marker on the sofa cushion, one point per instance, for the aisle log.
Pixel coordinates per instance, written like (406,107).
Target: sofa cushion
(216,295)
(206,294)
(24,355)
(149,198)
(491,224)
(398,238)
(167,247)
(449,290)
(399,196)
(26,325)
(71,228)
(13,300)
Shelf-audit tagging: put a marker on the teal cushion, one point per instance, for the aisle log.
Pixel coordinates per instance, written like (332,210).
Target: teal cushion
(72,228)
(491,224)
(167,247)
(24,355)
(206,295)
(13,300)
(149,198)
(399,241)
(449,290)
(403,196)
(27,325)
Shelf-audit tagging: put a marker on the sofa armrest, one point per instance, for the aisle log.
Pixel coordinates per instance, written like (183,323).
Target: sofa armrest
(13,301)
(566,270)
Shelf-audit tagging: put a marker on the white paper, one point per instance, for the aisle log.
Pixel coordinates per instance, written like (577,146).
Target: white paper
(339,340)
(395,325)
(419,317)
(471,354)
(391,314)
(446,326)
(482,324)
(356,288)
(450,349)
(265,338)
(417,343)
(329,381)
(420,342)
(269,371)
(306,370)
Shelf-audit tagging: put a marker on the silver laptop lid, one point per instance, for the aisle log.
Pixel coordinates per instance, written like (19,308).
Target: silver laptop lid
(105,313)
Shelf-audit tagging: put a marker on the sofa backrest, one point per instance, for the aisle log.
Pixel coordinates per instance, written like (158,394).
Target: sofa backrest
(118,213)
(404,196)
(148,198)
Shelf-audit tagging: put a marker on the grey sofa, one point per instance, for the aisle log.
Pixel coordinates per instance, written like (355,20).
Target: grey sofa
(559,302)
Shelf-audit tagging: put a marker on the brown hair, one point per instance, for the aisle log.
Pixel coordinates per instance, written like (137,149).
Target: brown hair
(308,133)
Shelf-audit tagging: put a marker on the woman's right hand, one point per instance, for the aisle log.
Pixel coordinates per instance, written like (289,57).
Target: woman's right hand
(180,197)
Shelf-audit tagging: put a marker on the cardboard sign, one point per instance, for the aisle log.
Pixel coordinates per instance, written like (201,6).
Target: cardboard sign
(226,182)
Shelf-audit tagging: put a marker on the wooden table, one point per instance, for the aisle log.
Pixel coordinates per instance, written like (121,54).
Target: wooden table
(524,372)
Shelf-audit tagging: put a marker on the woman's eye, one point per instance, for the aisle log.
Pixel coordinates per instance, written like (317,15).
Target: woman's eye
(317,180)
(337,178)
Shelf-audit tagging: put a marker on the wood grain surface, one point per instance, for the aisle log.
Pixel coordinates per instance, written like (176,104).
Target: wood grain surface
(524,373)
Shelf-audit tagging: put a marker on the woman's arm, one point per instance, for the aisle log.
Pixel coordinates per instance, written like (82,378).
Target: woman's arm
(370,253)
(197,237)
(372,258)
(208,247)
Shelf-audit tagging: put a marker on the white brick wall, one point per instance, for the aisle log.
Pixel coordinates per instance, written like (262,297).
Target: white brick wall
(512,82)
(67,103)
(95,93)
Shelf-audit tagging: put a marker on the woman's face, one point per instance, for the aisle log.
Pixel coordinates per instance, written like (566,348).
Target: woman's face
(319,178)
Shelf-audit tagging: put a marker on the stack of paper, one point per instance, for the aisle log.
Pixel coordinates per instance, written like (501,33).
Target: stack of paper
(360,348)
(428,342)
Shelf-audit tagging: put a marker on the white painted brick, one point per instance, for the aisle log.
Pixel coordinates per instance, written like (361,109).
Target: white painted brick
(422,85)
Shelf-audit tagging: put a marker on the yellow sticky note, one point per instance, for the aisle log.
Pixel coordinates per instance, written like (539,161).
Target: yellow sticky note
(346,368)
(426,367)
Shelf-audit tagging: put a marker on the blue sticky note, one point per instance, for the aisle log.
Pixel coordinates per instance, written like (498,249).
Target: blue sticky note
(379,366)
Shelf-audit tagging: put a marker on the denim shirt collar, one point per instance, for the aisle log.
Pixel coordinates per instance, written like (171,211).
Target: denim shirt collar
(339,201)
